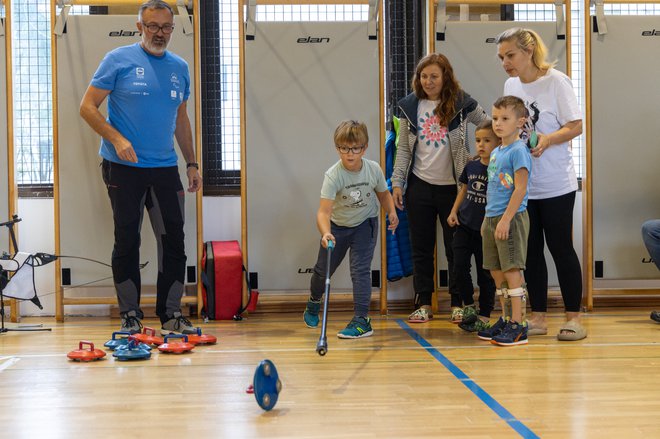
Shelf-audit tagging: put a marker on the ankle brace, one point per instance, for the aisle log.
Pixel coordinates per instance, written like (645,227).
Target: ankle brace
(507,301)
(522,293)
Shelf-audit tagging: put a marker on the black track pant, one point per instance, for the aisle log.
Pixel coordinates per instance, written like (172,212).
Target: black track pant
(467,243)
(551,222)
(131,189)
(426,204)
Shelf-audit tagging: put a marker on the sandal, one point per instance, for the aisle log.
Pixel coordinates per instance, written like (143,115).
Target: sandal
(532,330)
(421,315)
(572,331)
(456,315)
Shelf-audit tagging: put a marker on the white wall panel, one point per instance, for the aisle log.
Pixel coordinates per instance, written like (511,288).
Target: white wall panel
(302,79)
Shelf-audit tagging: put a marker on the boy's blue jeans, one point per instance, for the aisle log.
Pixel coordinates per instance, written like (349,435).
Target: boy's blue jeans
(361,240)
(651,237)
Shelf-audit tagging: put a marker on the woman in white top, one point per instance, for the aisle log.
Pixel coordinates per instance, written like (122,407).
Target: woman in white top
(554,119)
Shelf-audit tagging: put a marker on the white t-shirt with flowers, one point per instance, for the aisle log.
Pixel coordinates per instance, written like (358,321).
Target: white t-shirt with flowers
(433,162)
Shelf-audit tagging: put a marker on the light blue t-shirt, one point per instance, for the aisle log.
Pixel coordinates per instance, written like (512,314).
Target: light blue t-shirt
(354,193)
(504,162)
(146,92)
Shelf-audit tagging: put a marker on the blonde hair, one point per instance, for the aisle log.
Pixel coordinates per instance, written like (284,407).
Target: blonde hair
(528,40)
(351,131)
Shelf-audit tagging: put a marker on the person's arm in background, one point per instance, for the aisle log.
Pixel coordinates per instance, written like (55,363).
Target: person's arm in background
(183,134)
(386,200)
(401,163)
(452,220)
(567,132)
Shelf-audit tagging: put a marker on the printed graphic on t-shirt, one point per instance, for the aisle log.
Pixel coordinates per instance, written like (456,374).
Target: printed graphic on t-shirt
(530,125)
(354,195)
(476,191)
(430,130)
(504,178)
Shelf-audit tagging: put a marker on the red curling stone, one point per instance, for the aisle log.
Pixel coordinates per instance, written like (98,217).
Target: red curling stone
(148,336)
(200,338)
(176,347)
(90,354)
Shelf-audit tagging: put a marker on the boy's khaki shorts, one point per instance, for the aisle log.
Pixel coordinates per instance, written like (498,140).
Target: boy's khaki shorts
(510,254)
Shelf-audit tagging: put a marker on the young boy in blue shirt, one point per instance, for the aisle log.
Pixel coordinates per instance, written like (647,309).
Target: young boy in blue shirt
(506,226)
(467,215)
(348,216)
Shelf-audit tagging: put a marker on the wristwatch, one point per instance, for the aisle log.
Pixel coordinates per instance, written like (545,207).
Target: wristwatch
(193,165)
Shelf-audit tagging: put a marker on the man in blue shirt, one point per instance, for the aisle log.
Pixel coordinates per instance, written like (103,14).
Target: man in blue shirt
(147,88)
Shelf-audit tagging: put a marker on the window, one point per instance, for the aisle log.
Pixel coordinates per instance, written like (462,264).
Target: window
(33,131)
(221,128)
(33,112)
(221,113)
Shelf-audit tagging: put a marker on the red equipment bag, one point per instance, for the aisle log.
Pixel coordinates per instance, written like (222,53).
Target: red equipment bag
(222,277)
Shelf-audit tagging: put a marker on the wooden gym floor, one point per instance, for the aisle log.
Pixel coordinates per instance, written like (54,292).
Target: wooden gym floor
(429,380)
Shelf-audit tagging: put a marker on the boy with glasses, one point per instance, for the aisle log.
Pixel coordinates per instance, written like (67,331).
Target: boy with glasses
(348,216)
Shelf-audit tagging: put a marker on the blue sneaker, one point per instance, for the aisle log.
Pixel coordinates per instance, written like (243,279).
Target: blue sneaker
(311,314)
(358,327)
(513,334)
(496,329)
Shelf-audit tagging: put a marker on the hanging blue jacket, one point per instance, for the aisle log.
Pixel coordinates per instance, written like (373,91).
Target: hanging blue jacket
(399,254)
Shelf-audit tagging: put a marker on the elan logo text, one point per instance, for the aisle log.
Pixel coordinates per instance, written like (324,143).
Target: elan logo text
(490,40)
(124,33)
(305,270)
(313,40)
(651,33)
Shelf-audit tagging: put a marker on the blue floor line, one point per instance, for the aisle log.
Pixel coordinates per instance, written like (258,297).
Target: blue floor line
(480,393)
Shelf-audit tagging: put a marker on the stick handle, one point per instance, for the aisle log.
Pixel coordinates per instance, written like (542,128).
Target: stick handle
(322,345)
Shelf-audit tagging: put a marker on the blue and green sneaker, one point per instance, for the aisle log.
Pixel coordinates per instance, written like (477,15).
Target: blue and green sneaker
(358,327)
(311,314)
(496,329)
(477,326)
(470,314)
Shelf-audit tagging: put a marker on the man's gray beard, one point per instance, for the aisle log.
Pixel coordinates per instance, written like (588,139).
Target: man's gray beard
(152,48)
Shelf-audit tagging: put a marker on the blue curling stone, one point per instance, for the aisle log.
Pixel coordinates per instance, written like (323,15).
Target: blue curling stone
(132,351)
(267,385)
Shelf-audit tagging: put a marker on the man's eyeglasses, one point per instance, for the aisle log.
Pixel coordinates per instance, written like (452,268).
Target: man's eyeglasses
(354,149)
(154,28)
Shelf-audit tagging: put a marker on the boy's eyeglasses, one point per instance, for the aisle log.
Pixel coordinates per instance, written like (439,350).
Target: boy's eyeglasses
(154,28)
(354,149)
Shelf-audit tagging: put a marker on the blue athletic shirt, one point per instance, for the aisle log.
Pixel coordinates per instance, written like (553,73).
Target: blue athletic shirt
(504,162)
(146,92)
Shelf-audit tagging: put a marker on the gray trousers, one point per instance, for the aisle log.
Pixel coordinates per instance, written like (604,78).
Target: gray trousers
(361,240)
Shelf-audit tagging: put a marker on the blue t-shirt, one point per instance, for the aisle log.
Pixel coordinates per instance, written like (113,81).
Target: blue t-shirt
(504,162)
(145,94)
(472,209)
